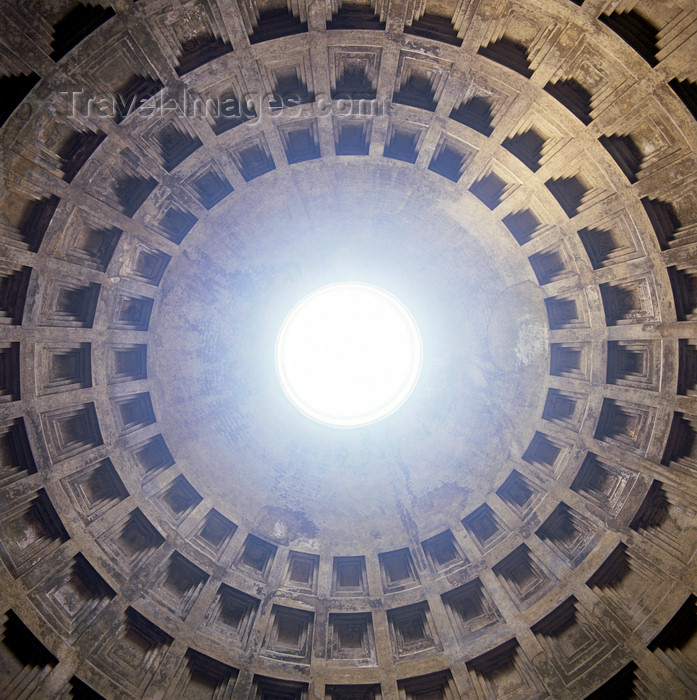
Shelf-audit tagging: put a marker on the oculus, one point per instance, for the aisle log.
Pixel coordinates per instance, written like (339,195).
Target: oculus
(348,355)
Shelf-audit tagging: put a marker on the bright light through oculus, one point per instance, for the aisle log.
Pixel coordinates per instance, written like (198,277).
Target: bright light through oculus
(348,354)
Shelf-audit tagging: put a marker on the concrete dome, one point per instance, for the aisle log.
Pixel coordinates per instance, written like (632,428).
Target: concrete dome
(176,177)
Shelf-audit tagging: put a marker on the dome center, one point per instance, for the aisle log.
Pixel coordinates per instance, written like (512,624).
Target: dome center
(348,354)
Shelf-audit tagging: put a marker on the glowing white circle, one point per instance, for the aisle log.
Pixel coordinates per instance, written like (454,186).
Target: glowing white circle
(348,354)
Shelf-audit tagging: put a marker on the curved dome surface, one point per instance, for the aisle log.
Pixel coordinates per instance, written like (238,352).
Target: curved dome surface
(176,177)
